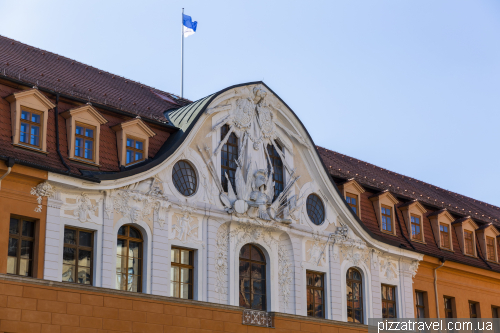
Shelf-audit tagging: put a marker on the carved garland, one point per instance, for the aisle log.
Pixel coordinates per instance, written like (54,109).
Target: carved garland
(42,190)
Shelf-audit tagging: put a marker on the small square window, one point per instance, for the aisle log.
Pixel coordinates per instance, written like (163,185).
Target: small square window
(84,142)
(352,201)
(30,128)
(135,151)
(386,218)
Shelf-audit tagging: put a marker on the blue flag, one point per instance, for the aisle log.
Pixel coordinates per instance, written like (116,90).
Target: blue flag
(189,25)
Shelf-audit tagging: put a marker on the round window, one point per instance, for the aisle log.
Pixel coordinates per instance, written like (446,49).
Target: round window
(315,209)
(184,178)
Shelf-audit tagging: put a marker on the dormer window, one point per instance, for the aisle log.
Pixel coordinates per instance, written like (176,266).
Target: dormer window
(84,141)
(441,221)
(465,229)
(386,218)
(444,234)
(135,150)
(83,125)
(486,237)
(383,203)
(352,201)
(469,242)
(133,141)
(31,127)
(416,227)
(351,191)
(29,113)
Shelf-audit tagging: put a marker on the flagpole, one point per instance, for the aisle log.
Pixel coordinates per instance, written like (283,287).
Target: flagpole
(182,52)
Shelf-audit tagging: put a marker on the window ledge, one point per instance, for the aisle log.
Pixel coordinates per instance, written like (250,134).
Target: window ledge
(37,150)
(492,261)
(389,233)
(134,163)
(418,241)
(446,249)
(74,159)
(470,255)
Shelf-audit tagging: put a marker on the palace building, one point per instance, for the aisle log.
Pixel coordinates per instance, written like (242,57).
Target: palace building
(126,208)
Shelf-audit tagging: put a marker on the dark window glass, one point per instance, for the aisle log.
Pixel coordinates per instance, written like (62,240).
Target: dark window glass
(135,151)
(354,284)
(469,242)
(386,218)
(445,235)
(315,294)
(495,312)
(252,282)
(21,247)
(352,201)
(184,177)
(315,209)
(448,307)
(30,129)
(77,256)
(419,304)
(490,248)
(181,273)
(415,227)
(388,301)
(229,156)
(129,259)
(84,141)
(473,309)
(278,171)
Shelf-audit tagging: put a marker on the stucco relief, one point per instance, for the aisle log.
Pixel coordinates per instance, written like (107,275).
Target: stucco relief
(388,269)
(41,190)
(185,227)
(315,251)
(140,202)
(83,208)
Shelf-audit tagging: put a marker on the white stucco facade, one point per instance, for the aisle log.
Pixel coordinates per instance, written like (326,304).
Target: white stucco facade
(292,244)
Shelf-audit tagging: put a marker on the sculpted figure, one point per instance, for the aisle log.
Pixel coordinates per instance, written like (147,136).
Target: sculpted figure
(259,199)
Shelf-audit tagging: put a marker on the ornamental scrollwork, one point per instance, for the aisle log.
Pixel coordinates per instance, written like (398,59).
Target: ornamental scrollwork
(42,190)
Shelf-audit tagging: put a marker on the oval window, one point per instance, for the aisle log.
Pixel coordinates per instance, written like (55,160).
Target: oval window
(184,178)
(315,209)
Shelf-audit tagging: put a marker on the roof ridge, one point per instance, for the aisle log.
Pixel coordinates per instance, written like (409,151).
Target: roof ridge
(413,179)
(103,71)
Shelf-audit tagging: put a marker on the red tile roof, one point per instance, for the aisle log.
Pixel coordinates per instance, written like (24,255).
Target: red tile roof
(60,74)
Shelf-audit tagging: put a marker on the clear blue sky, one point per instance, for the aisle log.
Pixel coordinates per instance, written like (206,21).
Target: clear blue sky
(412,86)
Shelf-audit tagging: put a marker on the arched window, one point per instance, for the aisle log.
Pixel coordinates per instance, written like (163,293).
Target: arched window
(354,284)
(252,278)
(229,155)
(277,165)
(129,259)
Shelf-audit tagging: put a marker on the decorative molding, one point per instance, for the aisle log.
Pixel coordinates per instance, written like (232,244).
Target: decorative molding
(258,318)
(285,272)
(185,230)
(388,269)
(222,246)
(42,190)
(83,209)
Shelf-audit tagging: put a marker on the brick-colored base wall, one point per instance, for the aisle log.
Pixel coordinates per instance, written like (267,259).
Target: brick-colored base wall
(30,305)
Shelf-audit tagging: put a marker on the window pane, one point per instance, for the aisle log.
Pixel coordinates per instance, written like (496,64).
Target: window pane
(258,271)
(130,143)
(174,273)
(185,257)
(84,276)
(35,133)
(174,289)
(23,137)
(138,156)
(133,283)
(134,233)
(28,229)
(134,266)
(13,244)
(79,130)
(258,286)
(258,302)
(89,133)
(121,247)
(134,249)
(25,267)
(174,254)
(70,236)
(25,115)
(85,238)
(69,256)
(121,264)
(84,258)
(35,118)
(12,265)
(121,231)
(244,268)
(130,156)
(68,273)
(185,291)
(138,145)
(14,226)
(27,249)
